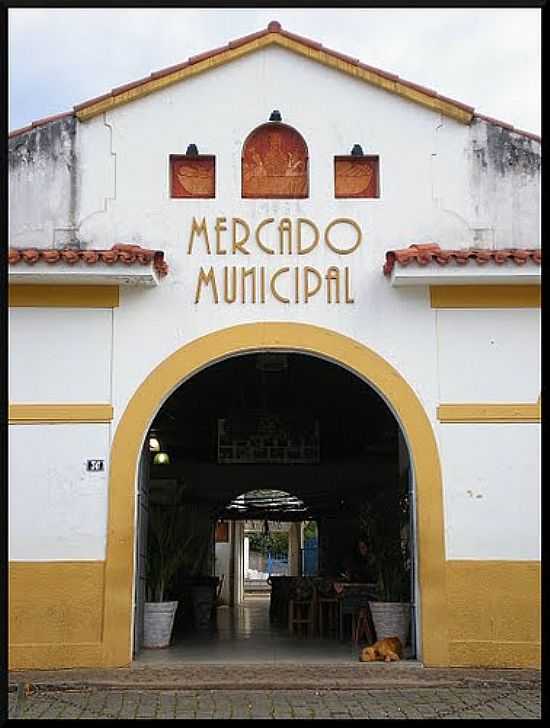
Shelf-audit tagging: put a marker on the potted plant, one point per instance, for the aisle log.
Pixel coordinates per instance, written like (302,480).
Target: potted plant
(391,612)
(166,553)
(385,523)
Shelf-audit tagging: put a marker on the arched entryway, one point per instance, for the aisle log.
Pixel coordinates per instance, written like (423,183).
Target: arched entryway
(290,337)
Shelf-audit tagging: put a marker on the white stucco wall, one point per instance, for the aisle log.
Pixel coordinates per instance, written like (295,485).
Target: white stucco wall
(489,355)
(440,181)
(57,509)
(60,355)
(491,476)
(42,189)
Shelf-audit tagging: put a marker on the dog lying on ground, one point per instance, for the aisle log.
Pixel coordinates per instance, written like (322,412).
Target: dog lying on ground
(389,649)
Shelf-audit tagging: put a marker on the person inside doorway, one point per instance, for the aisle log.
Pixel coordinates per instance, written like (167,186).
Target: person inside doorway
(360,567)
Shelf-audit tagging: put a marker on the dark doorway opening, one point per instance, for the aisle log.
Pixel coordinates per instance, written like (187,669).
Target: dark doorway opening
(289,439)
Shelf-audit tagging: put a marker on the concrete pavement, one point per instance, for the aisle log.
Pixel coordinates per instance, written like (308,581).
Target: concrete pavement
(276,691)
(497,701)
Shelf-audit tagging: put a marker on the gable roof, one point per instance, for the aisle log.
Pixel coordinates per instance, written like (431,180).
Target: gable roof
(274,35)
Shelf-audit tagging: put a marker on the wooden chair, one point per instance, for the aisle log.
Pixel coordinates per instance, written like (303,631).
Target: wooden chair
(328,607)
(302,608)
(364,627)
(355,602)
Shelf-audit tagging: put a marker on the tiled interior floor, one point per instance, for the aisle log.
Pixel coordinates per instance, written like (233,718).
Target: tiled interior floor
(244,634)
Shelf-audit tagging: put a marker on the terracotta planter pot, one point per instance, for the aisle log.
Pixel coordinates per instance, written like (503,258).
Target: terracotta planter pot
(391,619)
(158,621)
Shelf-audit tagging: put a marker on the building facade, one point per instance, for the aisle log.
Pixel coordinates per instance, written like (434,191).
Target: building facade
(273,196)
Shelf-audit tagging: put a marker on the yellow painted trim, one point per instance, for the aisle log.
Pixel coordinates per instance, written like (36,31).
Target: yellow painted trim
(321,56)
(55,613)
(50,296)
(248,338)
(494,613)
(27,414)
(485,296)
(489,412)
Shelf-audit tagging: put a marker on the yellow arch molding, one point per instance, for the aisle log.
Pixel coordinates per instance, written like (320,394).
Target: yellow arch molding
(248,338)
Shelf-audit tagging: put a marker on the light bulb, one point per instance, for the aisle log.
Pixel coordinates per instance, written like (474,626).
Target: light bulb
(161,458)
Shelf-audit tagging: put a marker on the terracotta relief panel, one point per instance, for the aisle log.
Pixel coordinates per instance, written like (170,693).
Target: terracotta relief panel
(192,176)
(275,163)
(356,177)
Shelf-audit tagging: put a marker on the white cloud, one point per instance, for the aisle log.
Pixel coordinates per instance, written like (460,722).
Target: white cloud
(488,58)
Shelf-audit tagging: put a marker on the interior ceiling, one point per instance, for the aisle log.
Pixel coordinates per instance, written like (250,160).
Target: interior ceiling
(357,433)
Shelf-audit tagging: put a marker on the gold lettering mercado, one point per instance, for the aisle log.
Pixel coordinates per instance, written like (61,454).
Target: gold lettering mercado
(286,284)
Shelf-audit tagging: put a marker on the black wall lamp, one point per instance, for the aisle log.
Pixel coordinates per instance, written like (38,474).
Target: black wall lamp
(275,115)
(357,151)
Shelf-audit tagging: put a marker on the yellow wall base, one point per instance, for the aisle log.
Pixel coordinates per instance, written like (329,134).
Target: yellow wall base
(495,654)
(494,613)
(56,614)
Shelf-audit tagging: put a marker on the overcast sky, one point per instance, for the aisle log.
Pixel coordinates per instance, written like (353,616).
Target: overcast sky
(487,58)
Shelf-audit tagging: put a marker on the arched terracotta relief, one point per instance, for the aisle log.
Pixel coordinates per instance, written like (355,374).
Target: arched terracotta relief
(275,163)
(356,176)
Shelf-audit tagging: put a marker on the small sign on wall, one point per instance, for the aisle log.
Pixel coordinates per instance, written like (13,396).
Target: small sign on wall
(95,466)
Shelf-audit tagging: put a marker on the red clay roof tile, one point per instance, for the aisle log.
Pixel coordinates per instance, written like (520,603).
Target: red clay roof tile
(427,253)
(170,69)
(301,39)
(54,117)
(496,122)
(206,54)
(342,56)
(127,86)
(95,100)
(120,253)
(379,71)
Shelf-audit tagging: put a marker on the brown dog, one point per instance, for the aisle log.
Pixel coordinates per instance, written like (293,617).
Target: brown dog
(389,649)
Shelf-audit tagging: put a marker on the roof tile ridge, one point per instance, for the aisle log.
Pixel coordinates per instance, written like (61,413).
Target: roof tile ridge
(379,71)
(466,107)
(302,39)
(122,247)
(40,122)
(120,252)
(91,101)
(127,86)
(505,125)
(169,69)
(424,253)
